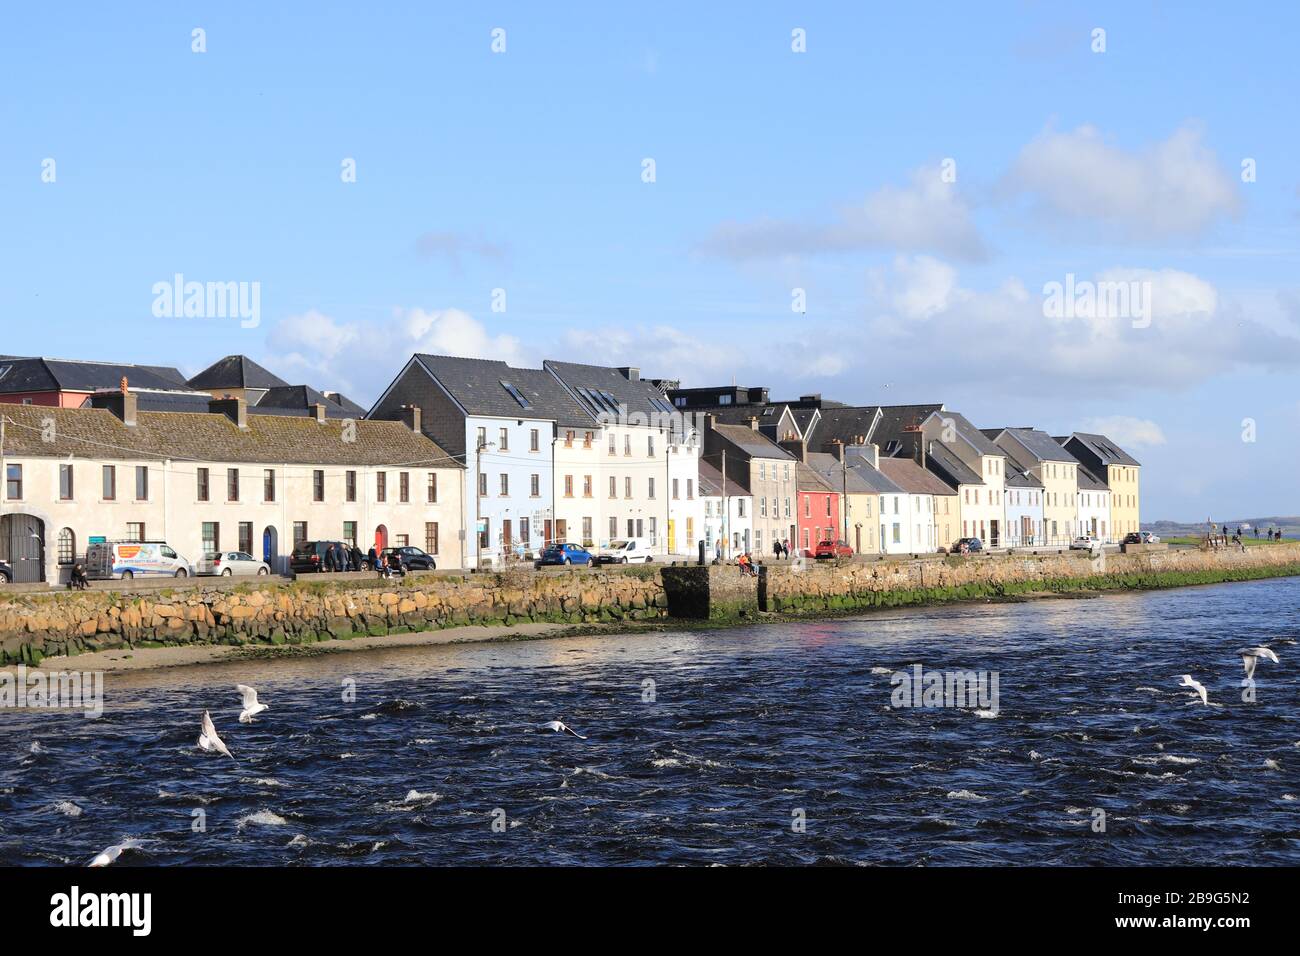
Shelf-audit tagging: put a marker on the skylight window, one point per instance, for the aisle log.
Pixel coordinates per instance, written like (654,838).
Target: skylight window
(517,395)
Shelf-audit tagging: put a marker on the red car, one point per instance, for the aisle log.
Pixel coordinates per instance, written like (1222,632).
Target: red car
(832,549)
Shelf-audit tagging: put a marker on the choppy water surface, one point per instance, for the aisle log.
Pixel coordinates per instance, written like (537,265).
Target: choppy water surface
(747,727)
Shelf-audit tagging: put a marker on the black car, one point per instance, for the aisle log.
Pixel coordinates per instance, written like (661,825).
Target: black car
(310,556)
(6,573)
(968,546)
(413,559)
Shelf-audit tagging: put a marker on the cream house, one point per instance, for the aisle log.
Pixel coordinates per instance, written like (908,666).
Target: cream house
(636,473)
(969,462)
(223,479)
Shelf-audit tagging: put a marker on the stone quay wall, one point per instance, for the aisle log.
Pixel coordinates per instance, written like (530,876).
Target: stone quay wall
(34,625)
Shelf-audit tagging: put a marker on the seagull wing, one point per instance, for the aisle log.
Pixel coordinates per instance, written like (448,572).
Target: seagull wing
(249,695)
(1267,654)
(209,730)
(554,725)
(1248,662)
(570,730)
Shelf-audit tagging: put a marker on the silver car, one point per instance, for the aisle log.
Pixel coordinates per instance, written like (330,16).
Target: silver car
(229,564)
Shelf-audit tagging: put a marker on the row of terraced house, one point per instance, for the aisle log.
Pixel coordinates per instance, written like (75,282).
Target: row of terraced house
(482,464)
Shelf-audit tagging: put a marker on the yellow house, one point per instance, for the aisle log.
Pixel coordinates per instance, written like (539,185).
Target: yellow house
(1122,474)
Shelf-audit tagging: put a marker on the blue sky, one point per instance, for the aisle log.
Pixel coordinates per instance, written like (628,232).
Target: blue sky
(774,171)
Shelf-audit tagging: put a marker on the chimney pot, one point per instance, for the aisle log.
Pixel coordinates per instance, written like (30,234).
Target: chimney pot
(318,410)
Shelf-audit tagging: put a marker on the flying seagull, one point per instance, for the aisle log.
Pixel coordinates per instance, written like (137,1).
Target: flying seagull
(1251,655)
(251,707)
(561,728)
(113,852)
(208,739)
(1198,687)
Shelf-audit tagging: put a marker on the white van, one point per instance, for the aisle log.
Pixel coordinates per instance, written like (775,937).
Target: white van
(628,551)
(132,559)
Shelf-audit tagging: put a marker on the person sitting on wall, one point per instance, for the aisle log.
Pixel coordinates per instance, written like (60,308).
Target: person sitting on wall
(78,580)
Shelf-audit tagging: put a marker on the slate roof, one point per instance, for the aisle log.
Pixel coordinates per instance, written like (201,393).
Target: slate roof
(298,398)
(809,479)
(477,385)
(860,477)
(973,436)
(891,432)
(1090,482)
(752,443)
(1105,449)
(1029,446)
(912,478)
(589,384)
(70,375)
(711,483)
(342,401)
(98,433)
(1016,478)
(236,371)
(846,424)
(949,467)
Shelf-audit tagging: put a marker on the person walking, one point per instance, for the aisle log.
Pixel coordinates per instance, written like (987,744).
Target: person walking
(776,550)
(373,558)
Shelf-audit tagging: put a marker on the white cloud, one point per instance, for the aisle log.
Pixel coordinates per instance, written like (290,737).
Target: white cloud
(1173,187)
(361,358)
(925,215)
(1125,430)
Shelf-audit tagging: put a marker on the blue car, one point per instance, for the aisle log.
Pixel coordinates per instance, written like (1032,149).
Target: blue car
(564,554)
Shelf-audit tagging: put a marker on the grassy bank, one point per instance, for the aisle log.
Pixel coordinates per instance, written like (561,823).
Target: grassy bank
(1145,581)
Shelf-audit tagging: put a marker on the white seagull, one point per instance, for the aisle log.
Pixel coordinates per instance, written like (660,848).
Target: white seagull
(208,739)
(1251,655)
(1198,687)
(561,728)
(251,707)
(113,852)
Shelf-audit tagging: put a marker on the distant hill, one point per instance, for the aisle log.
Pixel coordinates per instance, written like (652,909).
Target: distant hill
(1290,525)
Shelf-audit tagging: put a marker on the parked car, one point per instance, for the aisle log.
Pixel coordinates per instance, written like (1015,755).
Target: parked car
(832,549)
(564,554)
(626,552)
(6,573)
(413,559)
(968,546)
(1085,542)
(228,564)
(1141,537)
(133,559)
(310,556)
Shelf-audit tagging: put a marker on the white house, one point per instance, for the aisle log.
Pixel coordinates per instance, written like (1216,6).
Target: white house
(728,515)
(1094,507)
(1024,509)
(508,426)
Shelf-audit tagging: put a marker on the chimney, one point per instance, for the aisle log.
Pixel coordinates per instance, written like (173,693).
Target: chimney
(795,447)
(710,422)
(917,438)
(753,423)
(318,411)
(837,449)
(121,403)
(409,415)
(868,453)
(631,374)
(236,409)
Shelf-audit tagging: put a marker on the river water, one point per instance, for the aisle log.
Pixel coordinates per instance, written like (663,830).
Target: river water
(773,744)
